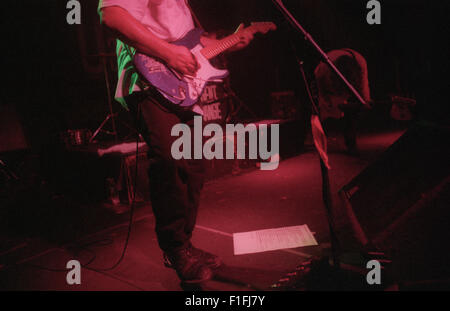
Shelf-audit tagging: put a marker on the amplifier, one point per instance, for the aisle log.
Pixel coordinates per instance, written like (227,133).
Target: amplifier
(216,103)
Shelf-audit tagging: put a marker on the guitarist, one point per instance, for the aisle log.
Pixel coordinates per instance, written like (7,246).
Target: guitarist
(149,26)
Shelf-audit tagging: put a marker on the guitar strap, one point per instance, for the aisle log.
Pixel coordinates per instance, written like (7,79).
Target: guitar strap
(194,16)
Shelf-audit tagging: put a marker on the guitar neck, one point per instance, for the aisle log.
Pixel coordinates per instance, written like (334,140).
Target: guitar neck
(221,46)
(224,44)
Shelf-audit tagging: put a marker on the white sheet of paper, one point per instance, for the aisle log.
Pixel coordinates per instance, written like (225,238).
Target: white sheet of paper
(272,239)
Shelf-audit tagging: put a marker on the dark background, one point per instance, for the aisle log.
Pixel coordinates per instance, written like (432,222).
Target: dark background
(55,80)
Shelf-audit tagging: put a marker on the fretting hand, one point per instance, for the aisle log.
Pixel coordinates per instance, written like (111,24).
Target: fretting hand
(245,38)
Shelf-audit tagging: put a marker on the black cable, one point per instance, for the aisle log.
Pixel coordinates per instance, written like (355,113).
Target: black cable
(94,256)
(85,247)
(133,201)
(132,207)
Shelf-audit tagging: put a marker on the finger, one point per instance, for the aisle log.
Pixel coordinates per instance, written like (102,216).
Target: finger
(188,67)
(192,69)
(186,71)
(246,39)
(243,43)
(191,59)
(195,63)
(246,34)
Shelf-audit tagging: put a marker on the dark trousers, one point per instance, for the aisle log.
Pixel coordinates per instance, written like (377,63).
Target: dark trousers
(175,185)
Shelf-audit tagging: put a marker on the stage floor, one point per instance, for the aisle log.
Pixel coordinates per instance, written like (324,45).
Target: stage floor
(252,200)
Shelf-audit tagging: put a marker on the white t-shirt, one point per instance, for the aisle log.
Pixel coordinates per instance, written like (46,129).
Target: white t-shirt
(170,20)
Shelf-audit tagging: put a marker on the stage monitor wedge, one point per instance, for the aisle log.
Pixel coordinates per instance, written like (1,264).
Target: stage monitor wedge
(400,203)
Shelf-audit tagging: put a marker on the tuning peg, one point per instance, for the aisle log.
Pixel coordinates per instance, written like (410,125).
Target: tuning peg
(240,27)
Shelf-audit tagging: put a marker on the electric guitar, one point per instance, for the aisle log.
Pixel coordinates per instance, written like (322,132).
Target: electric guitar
(185,90)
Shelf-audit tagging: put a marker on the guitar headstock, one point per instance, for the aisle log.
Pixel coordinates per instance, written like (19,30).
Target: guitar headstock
(262,27)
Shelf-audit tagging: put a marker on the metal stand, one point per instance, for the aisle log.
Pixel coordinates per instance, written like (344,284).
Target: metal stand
(10,174)
(230,93)
(234,96)
(111,115)
(309,38)
(326,193)
(318,270)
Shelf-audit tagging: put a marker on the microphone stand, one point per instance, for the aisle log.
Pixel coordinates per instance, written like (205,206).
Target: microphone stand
(311,270)
(326,191)
(320,265)
(310,39)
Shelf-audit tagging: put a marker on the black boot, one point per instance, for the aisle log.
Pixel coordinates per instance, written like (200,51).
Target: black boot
(188,266)
(208,259)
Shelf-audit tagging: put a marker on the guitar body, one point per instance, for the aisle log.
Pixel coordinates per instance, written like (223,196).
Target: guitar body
(184,91)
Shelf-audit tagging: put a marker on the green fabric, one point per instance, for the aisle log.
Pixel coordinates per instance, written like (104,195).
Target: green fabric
(126,67)
(125,64)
